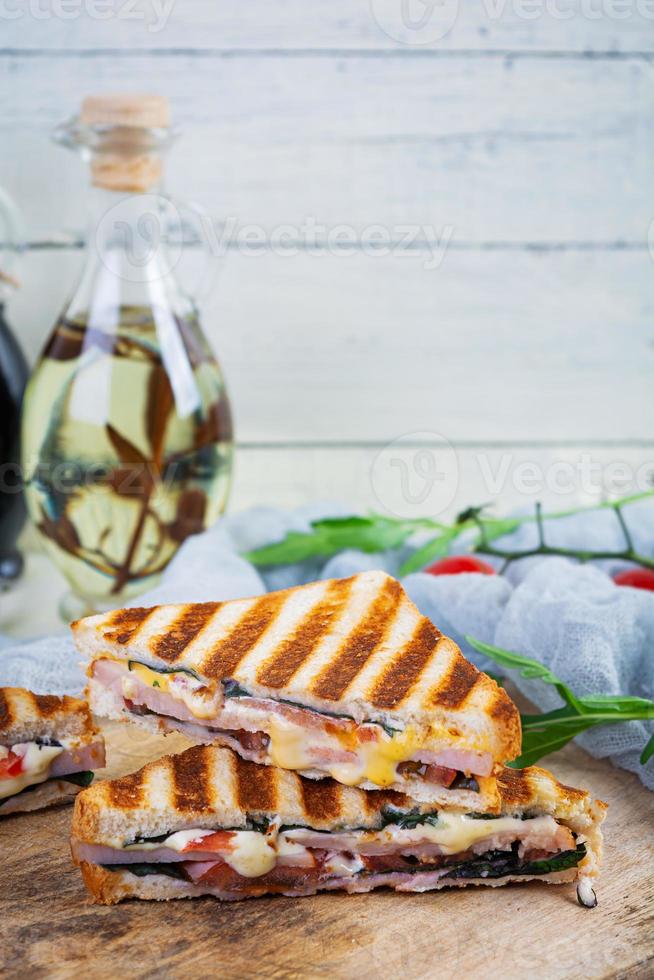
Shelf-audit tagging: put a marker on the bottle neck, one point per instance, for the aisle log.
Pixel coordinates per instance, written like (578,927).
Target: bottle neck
(132,169)
(129,262)
(118,219)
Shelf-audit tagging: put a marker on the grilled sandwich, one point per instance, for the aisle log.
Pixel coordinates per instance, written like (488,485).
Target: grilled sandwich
(48,749)
(342,678)
(207,822)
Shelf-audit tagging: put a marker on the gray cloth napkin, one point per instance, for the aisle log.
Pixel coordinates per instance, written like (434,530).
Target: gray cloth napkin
(597,637)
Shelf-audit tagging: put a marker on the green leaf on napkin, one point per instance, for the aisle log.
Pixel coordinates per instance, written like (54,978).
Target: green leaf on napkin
(333,534)
(528,668)
(375,533)
(545,733)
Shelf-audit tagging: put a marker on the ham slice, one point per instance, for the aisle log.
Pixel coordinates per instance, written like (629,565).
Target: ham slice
(240,717)
(80,759)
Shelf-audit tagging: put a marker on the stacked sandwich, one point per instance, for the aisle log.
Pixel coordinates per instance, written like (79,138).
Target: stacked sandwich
(342,743)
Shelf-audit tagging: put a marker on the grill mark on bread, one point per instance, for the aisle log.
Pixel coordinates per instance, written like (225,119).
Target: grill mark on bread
(47,704)
(376,800)
(503,709)
(293,652)
(515,787)
(227,654)
(191,779)
(256,789)
(452,691)
(127,792)
(359,646)
(181,633)
(321,798)
(6,714)
(573,794)
(404,671)
(125,623)
(21,707)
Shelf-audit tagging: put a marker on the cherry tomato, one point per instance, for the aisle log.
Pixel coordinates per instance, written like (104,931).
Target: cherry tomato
(11,766)
(637,578)
(456,564)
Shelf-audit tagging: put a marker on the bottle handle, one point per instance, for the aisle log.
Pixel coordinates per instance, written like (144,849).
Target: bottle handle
(200,231)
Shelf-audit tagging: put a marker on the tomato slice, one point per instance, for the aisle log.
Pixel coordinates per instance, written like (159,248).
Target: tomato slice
(440,775)
(221,875)
(11,766)
(220,841)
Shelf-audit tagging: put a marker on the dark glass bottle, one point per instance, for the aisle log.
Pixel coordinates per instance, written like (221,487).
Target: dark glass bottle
(13,378)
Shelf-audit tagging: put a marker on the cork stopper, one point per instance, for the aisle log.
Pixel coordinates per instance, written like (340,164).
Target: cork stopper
(126,158)
(145,111)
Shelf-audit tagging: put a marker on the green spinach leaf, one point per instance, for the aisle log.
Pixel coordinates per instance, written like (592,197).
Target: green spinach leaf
(548,732)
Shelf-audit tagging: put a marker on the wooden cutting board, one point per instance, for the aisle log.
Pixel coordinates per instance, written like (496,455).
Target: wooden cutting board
(49,928)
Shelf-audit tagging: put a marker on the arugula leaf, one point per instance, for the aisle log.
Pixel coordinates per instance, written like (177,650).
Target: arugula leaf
(560,862)
(147,840)
(647,752)
(163,670)
(233,690)
(333,534)
(261,826)
(545,733)
(499,864)
(528,668)
(407,820)
(79,778)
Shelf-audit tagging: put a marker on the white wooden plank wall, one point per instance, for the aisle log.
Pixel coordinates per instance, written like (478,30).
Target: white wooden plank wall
(511,142)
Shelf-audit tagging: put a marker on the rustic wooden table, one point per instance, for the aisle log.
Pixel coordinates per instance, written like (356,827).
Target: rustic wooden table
(49,928)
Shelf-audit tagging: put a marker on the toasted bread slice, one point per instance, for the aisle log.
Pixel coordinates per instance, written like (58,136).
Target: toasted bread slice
(108,887)
(210,789)
(215,787)
(43,740)
(354,648)
(25,716)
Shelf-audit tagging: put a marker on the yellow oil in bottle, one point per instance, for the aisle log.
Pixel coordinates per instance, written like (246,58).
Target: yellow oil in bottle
(127,447)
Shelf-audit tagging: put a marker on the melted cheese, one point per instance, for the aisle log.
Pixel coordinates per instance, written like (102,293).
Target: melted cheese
(153,678)
(253,854)
(178,685)
(37,760)
(456,832)
(176,842)
(288,744)
(376,761)
(250,853)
